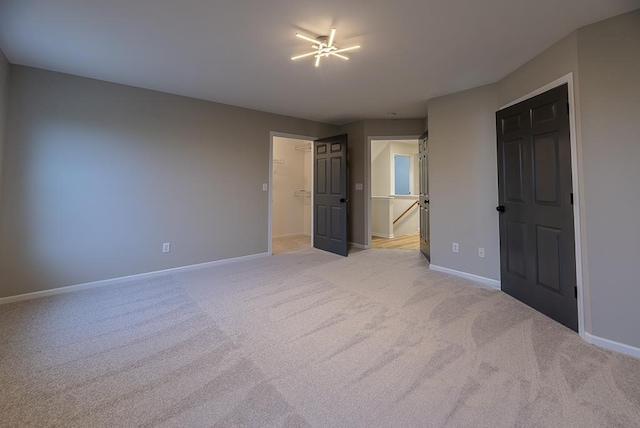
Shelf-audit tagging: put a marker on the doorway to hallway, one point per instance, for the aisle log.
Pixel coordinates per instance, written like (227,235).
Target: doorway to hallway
(394,183)
(410,241)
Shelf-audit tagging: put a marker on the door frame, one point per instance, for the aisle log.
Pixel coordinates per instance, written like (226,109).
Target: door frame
(273,134)
(367,183)
(576,155)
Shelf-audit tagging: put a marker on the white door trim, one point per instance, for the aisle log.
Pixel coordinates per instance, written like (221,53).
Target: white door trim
(270,183)
(576,154)
(367,175)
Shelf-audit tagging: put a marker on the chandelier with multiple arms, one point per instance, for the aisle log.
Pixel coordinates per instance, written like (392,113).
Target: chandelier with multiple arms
(324,46)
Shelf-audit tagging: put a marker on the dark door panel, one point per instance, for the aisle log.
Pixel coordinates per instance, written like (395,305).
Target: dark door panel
(537,238)
(330,194)
(423,200)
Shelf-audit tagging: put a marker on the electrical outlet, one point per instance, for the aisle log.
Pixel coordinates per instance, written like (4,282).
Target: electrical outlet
(481,252)
(454,247)
(166,247)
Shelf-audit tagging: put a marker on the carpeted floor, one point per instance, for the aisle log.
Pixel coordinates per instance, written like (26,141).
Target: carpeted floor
(304,339)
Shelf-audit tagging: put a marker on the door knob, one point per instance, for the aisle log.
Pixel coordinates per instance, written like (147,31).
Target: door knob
(343,200)
(500,209)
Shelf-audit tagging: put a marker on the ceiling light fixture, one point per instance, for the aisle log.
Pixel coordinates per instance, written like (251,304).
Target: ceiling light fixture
(323,47)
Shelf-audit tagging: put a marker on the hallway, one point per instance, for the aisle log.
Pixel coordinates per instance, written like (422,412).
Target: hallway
(410,241)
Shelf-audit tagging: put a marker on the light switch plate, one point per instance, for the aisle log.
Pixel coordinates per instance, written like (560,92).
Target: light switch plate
(358,186)
(265,187)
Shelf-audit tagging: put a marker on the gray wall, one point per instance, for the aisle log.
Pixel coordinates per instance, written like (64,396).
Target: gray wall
(555,62)
(98,175)
(463,161)
(355,138)
(605,61)
(393,127)
(609,56)
(463,181)
(4,99)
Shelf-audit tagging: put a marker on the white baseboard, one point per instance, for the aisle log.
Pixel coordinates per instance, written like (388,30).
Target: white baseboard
(105,282)
(590,338)
(359,246)
(291,234)
(481,279)
(612,345)
(382,235)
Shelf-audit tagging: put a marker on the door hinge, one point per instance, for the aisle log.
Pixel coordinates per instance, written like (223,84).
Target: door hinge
(572,199)
(575,291)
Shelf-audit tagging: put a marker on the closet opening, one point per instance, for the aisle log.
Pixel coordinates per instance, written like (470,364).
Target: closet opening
(291,194)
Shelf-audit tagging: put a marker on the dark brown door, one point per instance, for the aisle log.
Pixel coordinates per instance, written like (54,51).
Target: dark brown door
(537,252)
(423,199)
(330,196)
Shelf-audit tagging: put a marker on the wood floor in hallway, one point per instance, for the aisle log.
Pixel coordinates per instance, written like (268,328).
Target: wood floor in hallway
(410,241)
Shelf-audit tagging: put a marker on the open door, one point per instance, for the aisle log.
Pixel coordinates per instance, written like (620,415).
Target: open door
(330,197)
(537,246)
(423,200)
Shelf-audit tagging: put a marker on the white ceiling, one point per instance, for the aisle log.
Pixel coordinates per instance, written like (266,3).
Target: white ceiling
(237,51)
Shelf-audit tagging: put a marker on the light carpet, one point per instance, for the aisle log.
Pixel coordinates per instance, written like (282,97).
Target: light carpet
(304,339)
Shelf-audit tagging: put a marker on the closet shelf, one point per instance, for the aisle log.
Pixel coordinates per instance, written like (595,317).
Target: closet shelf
(304,193)
(303,148)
